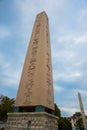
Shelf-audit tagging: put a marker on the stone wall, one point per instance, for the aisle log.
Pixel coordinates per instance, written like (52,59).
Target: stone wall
(31,121)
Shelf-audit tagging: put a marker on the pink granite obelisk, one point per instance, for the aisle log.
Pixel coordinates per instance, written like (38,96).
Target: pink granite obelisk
(36,84)
(34,105)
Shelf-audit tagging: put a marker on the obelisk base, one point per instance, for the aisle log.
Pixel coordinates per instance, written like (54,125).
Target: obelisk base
(31,121)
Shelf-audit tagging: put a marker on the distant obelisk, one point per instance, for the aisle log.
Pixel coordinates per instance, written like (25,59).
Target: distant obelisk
(34,105)
(82,111)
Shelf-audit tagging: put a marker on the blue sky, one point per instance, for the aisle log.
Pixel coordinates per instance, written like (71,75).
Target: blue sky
(68,34)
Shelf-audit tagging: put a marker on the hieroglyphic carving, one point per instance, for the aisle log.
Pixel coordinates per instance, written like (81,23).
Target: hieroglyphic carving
(48,65)
(32,66)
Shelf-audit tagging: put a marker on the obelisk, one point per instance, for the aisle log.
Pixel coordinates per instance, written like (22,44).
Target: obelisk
(34,105)
(82,112)
(36,84)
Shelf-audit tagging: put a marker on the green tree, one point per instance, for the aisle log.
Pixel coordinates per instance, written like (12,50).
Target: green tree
(79,124)
(6,105)
(63,123)
(57,111)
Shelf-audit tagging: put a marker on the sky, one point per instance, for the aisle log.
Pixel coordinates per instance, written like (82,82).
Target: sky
(68,36)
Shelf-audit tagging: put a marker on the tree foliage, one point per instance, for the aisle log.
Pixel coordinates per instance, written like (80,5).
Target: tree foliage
(79,124)
(6,105)
(57,111)
(63,123)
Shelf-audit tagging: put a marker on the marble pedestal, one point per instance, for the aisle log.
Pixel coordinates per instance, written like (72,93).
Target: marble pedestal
(31,121)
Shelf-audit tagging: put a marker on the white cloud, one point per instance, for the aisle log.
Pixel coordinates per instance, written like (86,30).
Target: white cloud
(4,32)
(67,75)
(82,19)
(9,75)
(82,92)
(69,110)
(70,103)
(81,39)
(58,89)
(77,39)
(69,57)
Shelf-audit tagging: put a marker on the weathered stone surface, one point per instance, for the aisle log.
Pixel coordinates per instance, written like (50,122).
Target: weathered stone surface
(32,121)
(36,84)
